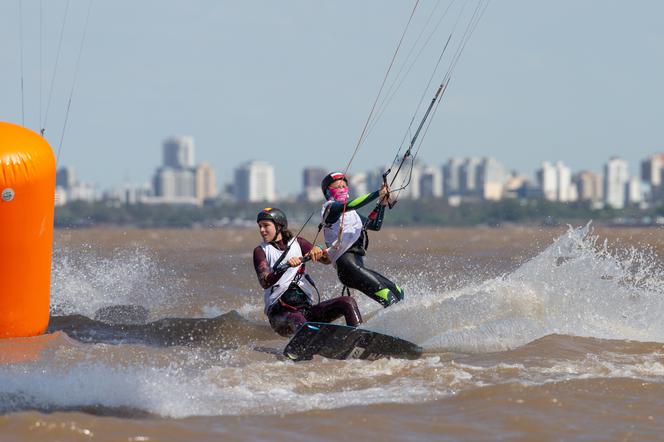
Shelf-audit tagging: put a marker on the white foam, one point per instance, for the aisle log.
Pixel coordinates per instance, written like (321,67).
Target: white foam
(184,389)
(575,287)
(83,281)
(181,390)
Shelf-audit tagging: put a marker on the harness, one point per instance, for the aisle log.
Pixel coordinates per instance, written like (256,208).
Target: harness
(294,286)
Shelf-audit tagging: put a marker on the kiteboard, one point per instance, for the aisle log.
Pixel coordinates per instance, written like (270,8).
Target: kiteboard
(344,342)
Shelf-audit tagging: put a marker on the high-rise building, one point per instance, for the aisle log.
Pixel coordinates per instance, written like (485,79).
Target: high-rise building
(589,186)
(175,181)
(82,192)
(491,178)
(206,183)
(254,182)
(633,191)
(311,179)
(470,182)
(616,175)
(547,179)
(174,185)
(67,189)
(515,185)
(431,182)
(65,177)
(452,177)
(179,152)
(129,193)
(179,180)
(565,191)
(651,169)
(555,181)
(652,173)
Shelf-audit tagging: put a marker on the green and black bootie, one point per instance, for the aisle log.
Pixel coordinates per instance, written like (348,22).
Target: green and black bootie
(387,297)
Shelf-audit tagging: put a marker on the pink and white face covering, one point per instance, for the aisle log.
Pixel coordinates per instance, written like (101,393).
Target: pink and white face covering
(339,195)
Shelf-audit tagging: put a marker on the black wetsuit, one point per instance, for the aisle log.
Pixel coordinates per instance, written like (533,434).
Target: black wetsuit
(350,265)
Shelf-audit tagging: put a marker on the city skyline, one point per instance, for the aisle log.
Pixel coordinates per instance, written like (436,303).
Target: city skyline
(523,90)
(172,157)
(180,180)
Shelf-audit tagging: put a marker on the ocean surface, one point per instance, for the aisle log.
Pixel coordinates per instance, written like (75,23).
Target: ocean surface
(529,334)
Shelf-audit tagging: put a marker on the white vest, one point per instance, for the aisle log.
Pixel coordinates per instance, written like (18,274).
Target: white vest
(351,232)
(272,254)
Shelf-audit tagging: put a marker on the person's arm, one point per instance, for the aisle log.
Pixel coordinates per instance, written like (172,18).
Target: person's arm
(336,208)
(306,247)
(266,277)
(375,219)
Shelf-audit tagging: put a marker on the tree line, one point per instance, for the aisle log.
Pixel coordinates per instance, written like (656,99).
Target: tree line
(432,212)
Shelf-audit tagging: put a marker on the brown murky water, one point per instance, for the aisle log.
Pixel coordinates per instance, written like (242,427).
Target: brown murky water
(531,334)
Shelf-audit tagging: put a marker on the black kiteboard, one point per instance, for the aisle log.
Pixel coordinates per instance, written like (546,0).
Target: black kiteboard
(344,342)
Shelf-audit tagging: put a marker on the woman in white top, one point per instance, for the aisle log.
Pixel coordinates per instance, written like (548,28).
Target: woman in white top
(287,291)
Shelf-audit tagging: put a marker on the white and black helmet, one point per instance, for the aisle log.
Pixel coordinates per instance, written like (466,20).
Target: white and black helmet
(329,179)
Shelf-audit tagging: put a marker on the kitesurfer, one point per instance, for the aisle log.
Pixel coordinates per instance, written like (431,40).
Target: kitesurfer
(345,235)
(287,291)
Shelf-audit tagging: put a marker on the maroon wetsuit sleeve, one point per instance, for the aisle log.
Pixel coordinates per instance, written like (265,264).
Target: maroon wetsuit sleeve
(266,277)
(305,245)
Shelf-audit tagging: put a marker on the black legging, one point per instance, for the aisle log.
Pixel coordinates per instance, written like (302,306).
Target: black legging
(353,274)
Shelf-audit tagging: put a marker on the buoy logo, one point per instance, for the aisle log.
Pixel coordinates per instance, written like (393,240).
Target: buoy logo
(7,194)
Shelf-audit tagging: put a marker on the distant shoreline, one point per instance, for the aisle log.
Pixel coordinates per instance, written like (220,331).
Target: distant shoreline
(420,213)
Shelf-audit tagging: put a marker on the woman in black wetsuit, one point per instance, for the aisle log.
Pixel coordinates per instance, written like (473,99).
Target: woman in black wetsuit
(346,238)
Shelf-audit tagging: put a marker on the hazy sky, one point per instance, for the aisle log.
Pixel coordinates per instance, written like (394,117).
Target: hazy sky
(292,82)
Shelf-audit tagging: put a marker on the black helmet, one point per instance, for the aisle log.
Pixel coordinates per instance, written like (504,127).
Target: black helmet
(275,215)
(329,179)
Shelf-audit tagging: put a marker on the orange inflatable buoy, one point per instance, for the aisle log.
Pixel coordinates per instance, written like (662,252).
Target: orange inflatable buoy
(27,200)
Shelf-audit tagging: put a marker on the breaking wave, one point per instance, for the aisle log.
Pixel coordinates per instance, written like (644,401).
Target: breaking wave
(577,286)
